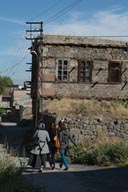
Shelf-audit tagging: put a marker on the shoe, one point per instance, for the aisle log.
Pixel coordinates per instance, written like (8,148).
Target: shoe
(53,167)
(41,170)
(65,169)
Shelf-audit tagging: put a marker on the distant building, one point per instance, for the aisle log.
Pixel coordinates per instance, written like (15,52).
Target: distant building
(13,100)
(7,99)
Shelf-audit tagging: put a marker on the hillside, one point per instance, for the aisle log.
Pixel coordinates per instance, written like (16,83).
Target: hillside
(114,109)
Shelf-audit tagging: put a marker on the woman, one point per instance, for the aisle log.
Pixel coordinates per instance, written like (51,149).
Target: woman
(53,148)
(64,137)
(41,148)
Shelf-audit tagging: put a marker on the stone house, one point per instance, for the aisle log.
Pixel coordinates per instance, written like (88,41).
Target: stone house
(80,67)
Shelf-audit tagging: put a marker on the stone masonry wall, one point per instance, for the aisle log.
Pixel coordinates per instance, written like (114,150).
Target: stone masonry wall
(84,127)
(90,128)
(100,51)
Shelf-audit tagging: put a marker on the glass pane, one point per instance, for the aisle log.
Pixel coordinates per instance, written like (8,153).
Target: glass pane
(65,68)
(59,67)
(59,72)
(87,73)
(59,78)
(65,62)
(60,62)
(65,72)
(64,77)
(87,65)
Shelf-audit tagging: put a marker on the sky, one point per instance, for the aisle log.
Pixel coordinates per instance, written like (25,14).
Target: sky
(63,17)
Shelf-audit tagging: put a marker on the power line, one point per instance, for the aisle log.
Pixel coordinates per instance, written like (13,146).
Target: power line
(19,53)
(106,36)
(62,12)
(47,9)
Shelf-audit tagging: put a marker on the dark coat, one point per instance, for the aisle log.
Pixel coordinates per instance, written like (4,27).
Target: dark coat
(52,134)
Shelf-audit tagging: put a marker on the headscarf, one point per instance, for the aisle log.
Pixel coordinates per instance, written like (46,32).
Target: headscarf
(41,126)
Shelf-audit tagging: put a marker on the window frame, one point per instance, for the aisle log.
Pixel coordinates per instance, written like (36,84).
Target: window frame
(85,80)
(62,70)
(116,71)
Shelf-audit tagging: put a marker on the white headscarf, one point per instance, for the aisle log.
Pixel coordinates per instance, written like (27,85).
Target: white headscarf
(41,125)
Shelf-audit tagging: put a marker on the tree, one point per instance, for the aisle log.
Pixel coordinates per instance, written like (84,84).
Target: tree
(1,111)
(5,82)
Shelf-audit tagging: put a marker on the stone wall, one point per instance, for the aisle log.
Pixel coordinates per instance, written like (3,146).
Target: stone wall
(83,127)
(92,128)
(100,51)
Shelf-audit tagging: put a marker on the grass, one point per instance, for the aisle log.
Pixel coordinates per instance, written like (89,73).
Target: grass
(103,109)
(11,178)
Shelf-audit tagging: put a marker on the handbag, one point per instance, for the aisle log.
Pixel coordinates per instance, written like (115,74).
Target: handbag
(56,141)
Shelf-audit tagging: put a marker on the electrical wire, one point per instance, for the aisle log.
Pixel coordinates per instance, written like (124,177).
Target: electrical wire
(47,9)
(12,68)
(62,12)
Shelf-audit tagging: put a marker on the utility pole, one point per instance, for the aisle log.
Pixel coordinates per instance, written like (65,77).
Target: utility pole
(36,37)
(31,31)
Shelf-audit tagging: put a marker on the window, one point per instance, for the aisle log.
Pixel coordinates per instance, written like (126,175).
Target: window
(85,71)
(62,70)
(114,72)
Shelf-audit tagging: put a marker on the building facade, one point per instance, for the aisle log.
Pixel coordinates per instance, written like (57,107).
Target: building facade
(80,67)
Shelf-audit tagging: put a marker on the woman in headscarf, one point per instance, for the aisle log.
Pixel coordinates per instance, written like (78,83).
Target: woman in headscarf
(41,148)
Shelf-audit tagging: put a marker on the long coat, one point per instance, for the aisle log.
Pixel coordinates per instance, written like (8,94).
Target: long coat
(44,139)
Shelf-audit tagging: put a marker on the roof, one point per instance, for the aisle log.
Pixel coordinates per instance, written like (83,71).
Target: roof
(82,40)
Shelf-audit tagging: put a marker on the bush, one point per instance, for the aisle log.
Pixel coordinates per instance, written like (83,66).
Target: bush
(118,152)
(12,180)
(102,154)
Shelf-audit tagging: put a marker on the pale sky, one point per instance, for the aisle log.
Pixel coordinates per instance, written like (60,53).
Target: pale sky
(63,17)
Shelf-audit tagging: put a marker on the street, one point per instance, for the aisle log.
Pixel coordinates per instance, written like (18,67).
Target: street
(90,179)
(79,178)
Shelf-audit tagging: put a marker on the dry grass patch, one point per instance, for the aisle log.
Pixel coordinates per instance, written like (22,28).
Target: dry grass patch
(92,107)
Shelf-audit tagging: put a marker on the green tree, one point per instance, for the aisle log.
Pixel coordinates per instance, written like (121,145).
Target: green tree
(5,82)
(1,111)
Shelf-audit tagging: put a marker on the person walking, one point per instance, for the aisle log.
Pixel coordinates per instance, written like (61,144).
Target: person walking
(64,137)
(53,148)
(40,149)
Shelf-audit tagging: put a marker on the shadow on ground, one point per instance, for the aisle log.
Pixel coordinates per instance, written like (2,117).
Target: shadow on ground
(17,137)
(99,180)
